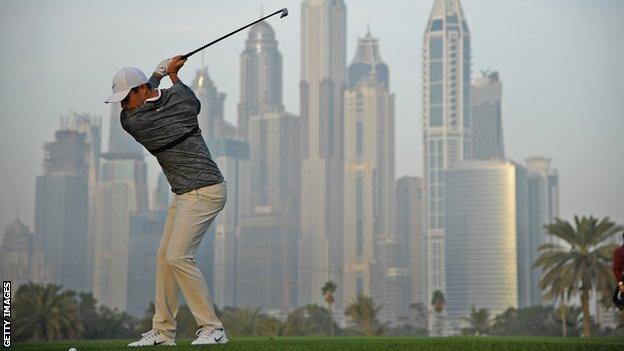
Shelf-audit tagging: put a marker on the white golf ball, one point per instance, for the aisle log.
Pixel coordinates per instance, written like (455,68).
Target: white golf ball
(72,349)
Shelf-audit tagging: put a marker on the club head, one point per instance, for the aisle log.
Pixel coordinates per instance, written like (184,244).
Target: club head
(284,12)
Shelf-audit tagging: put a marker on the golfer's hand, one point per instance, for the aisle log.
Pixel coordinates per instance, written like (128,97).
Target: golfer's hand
(176,63)
(621,288)
(161,69)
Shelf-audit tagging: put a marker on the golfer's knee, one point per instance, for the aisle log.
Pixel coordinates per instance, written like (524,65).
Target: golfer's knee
(174,259)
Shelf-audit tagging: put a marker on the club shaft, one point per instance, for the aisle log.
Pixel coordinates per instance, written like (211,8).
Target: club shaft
(229,34)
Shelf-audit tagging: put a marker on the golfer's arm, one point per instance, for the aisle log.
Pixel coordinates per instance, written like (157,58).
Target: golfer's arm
(174,77)
(154,81)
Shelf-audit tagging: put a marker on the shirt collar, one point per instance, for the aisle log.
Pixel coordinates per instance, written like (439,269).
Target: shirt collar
(155,97)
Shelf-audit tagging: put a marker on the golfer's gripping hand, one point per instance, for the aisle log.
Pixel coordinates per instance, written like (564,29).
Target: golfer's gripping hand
(175,64)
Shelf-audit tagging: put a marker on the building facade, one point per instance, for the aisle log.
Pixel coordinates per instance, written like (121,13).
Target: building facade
(487,120)
(543,207)
(211,118)
(146,231)
(260,76)
(218,253)
(368,202)
(410,213)
(323,48)
(481,248)
(122,189)
(446,122)
(61,209)
(21,256)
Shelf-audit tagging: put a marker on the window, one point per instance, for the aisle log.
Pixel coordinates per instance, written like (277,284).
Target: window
(436,48)
(435,93)
(466,48)
(451,19)
(435,116)
(436,25)
(359,286)
(435,71)
(466,117)
(464,26)
(359,138)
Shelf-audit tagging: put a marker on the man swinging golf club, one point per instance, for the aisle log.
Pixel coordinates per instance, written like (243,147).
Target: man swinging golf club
(164,121)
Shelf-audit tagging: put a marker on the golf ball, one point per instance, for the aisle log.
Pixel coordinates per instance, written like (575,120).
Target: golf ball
(72,349)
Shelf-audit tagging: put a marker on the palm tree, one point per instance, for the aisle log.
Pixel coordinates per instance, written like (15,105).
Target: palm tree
(581,267)
(44,312)
(438,301)
(328,291)
(363,314)
(479,321)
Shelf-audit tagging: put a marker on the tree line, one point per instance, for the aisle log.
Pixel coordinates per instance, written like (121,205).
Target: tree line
(574,266)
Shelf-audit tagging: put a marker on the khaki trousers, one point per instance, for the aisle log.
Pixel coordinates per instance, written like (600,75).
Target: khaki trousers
(188,218)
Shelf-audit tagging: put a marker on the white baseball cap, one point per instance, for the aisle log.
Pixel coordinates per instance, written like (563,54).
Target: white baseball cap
(124,80)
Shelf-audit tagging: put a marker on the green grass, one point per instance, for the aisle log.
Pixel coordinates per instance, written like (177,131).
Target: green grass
(354,344)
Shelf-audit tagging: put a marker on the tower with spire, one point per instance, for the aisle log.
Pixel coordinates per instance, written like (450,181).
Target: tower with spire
(368,195)
(261,76)
(211,116)
(446,123)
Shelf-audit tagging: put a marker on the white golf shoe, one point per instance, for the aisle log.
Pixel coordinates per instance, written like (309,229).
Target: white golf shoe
(208,336)
(153,338)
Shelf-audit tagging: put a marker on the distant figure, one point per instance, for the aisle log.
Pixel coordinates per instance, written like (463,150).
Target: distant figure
(164,121)
(618,272)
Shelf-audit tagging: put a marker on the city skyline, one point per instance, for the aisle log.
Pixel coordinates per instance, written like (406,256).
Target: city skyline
(316,194)
(591,169)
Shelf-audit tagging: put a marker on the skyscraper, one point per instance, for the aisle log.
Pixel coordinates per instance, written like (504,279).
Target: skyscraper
(410,214)
(480,231)
(146,231)
(267,239)
(122,189)
(543,207)
(522,235)
(260,76)
(217,256)
(162,193)
(61,209)
(446,121)
(323,47)
(92,128)
(368,186)
(211,119)
(487,121)
(21,256)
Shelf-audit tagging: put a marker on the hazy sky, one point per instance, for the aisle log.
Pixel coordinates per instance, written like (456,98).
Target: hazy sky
(560,62)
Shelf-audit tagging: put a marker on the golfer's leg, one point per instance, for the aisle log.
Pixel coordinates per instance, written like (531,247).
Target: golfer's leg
(167,289)
(196,211)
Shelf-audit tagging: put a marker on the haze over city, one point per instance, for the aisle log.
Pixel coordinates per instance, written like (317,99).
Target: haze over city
(558,61)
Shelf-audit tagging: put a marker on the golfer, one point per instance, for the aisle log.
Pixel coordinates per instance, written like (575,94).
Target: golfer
(164,121)
(618,272)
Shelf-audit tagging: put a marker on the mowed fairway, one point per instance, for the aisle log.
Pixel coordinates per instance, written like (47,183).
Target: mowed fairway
(355,344)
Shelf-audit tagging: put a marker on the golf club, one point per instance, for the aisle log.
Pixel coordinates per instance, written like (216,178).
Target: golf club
(283,11)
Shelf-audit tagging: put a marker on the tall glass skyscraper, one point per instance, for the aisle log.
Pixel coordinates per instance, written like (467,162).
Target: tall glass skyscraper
(446,122)
(61,211)
(323,47)
(487,121)
(480,235)
(543,207)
